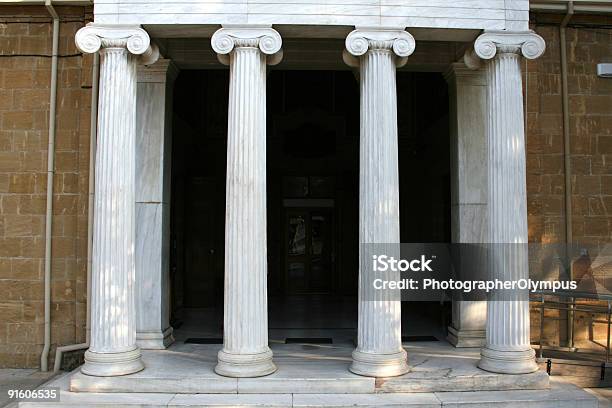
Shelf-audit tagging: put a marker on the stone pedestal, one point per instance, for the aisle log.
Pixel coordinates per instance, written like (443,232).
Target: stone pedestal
(376,53)
(507,348)
(467,91)
(467,328)
(153,158)
(245,350)
(113,349)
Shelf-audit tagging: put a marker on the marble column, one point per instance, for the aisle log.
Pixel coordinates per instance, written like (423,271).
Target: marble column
(468,96)
(507,348)
(153,157)
(377,53)
(113,350)
(245,351)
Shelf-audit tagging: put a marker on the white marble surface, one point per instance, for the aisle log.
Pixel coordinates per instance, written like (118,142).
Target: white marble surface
(508,348)
(189,368)
(467,328)
(376,53)
(470,221)
(308,378)
(467,91)
(465,337)
(468,96)
(309,369)
(427,400)
(463,14)
(235,400)
(436,366)
(153,157)
(183,371)
(150,265)
(152,287)
(574,398)
(113,349)
(559,395)
(245,350)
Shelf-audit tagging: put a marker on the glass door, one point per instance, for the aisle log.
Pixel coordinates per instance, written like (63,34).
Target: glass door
(310,251)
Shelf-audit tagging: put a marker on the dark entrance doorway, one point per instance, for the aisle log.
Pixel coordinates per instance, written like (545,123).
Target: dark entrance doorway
(309,254)
(312,200)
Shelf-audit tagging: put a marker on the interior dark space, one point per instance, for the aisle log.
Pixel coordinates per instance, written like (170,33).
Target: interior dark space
(312,197)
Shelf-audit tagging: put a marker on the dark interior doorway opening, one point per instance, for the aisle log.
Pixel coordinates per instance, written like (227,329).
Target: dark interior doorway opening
(312,198)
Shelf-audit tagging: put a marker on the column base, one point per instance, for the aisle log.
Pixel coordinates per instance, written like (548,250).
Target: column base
(379,365)
(508,362)
(155,340)
(466,338)
(245,365)
(112,364)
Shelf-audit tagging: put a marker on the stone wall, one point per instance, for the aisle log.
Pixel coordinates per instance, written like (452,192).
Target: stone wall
(25,72)
(590,103)
(590,107)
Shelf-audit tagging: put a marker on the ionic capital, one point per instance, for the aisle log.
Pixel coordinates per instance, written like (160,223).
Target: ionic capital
(527,43)
(362,40)
(93,37)
(471,60)
(267,39)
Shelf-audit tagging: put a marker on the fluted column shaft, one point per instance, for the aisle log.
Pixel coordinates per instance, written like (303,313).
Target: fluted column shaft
(245,350)
(507,348)
(113,250)
(246,317)
(113,349)
(379,325)
(379,351)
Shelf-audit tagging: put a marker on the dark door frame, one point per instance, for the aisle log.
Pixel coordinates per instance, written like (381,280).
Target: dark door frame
(306,258)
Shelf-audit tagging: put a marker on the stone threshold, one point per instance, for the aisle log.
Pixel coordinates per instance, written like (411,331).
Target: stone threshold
(308,369)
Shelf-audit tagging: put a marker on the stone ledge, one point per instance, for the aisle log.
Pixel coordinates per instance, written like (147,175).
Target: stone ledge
(444,381)
(149,384)
(559,396)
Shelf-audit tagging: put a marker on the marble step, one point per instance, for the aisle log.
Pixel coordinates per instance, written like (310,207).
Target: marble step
(189,369)
(308,379)
(445,380)
(558,396)
(583,373)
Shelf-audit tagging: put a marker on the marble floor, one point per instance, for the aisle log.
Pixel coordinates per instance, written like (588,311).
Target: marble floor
(309,368)
(317,376)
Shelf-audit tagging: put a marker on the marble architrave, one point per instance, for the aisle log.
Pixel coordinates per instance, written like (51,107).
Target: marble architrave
(317,15)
